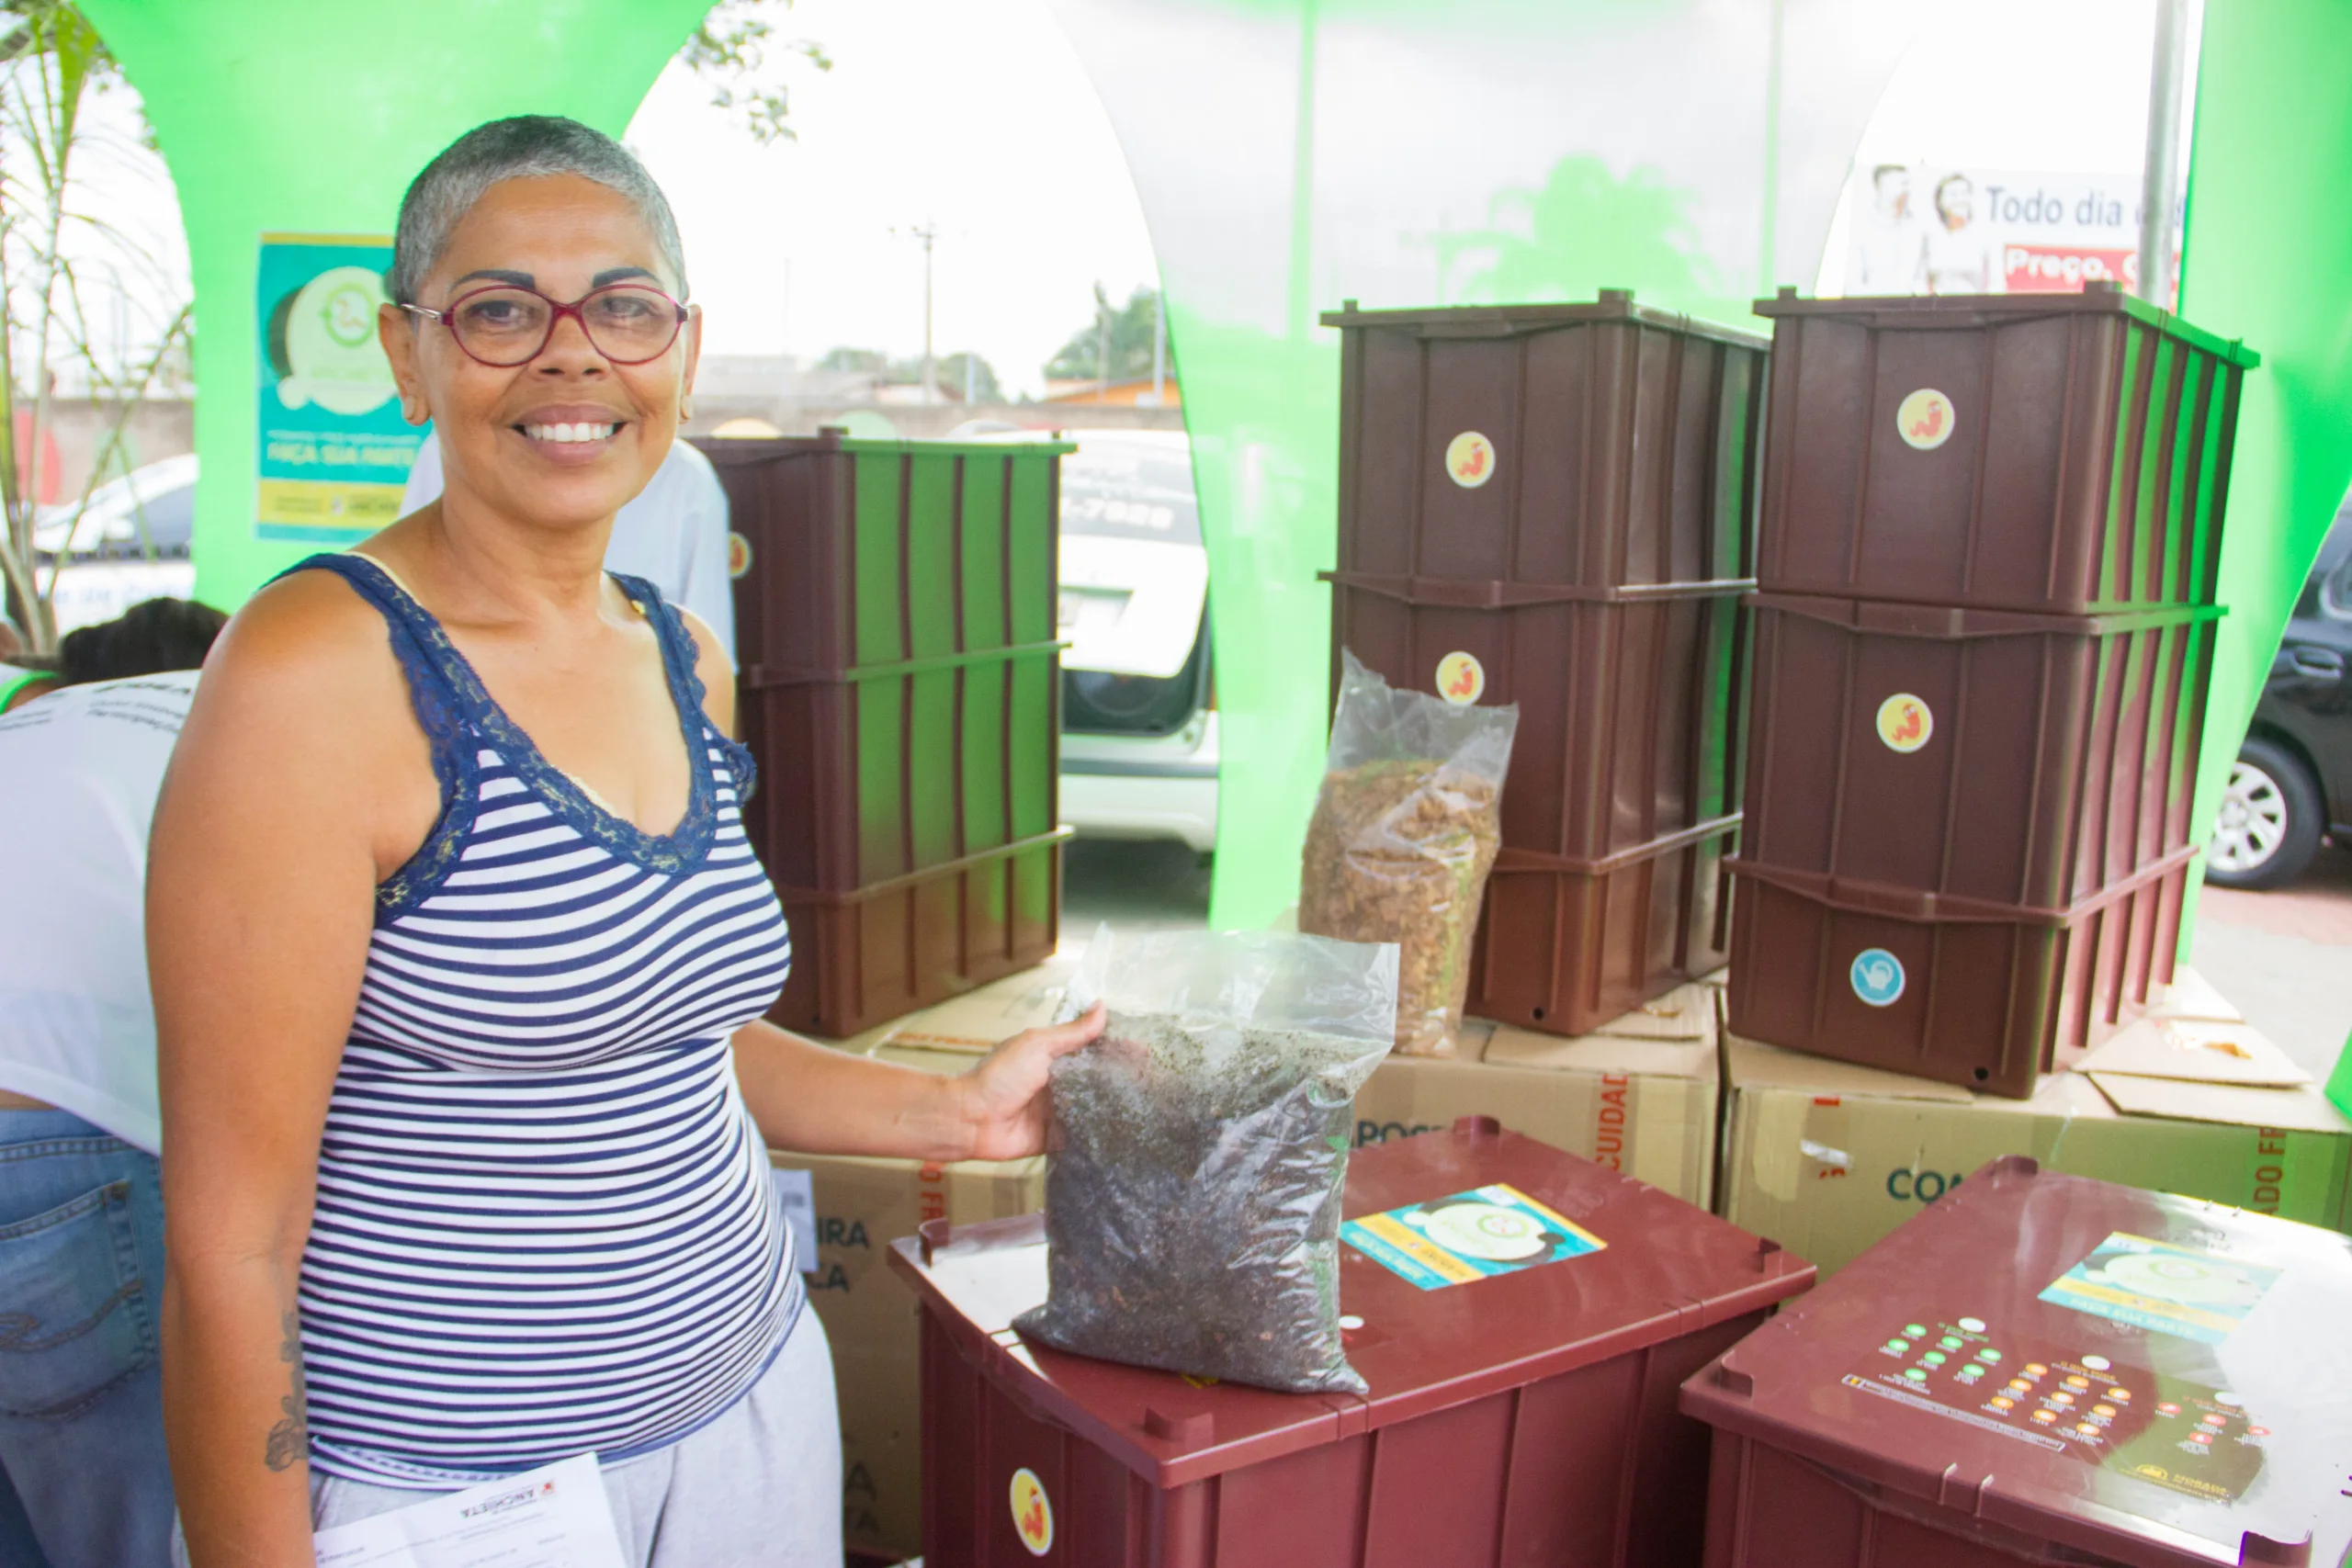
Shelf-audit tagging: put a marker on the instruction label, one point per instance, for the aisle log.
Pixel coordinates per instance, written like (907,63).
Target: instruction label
(2155,1285)
(2066,1401)
(1468,1236)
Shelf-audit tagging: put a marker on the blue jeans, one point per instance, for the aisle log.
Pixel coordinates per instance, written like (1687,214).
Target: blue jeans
(80,1300)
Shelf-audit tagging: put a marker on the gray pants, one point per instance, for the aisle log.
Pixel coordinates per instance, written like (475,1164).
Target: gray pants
(760,1486)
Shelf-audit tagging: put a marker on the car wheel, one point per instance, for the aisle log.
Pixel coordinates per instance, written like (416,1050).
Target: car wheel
(2270,820)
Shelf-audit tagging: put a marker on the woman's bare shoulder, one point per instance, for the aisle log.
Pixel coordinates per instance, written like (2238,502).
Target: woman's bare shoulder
(301,727)
(306,644)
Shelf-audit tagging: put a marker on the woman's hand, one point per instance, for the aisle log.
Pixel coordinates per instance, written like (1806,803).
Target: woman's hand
(1004,1098)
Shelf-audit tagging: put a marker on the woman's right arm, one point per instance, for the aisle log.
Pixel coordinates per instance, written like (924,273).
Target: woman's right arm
(261,878)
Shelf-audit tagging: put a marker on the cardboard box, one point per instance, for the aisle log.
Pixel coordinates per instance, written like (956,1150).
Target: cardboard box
(975,1021)
(2189,995)
(1826,1157)
(870,1316)
(1640,1097)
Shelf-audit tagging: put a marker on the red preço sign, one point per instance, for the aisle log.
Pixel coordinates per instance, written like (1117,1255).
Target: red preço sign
(2064,270)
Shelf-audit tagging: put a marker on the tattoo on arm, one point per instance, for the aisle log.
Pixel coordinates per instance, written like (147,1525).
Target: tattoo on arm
(290,1438)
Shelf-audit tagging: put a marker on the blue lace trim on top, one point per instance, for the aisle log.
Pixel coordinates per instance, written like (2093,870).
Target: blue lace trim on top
(459,716)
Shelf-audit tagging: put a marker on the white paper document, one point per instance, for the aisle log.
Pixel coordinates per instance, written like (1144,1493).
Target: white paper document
(796,1191)
(555,1516)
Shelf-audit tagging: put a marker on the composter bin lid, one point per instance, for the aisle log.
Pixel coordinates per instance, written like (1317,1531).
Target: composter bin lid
(2154,1380)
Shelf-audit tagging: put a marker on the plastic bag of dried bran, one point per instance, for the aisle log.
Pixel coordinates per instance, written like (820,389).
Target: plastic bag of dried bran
(1405,830)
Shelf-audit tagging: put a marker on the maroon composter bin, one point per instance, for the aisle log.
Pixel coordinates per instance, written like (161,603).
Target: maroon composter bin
(1566,493)
(1985,999)
(899,687)
(1960,760)
(1526,1418)
(2059,453)
(2040,1369)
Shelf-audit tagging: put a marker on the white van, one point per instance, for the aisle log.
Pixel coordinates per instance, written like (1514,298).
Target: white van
(1140,746)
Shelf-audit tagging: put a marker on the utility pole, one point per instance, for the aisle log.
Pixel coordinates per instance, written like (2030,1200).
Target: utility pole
(1159,350)
(929,234)
(1102,345)
(2160,186)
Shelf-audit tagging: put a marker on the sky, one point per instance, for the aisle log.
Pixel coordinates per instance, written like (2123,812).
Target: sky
(973,119)
(1970,93)
(124,223)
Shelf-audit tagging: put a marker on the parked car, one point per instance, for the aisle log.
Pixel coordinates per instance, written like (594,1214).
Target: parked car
(131,543)
(1140,741)
(2292,785)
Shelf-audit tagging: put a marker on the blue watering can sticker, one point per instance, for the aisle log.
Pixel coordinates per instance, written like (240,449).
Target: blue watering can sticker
(1877,975)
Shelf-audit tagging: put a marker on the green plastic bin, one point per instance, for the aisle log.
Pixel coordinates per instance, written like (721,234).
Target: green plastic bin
(899,684)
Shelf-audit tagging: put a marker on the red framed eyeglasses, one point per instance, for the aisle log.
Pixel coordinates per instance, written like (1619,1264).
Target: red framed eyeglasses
(506,325)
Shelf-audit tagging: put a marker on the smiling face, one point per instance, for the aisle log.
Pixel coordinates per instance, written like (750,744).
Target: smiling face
(1955,200)
(567,439)
(1891,190)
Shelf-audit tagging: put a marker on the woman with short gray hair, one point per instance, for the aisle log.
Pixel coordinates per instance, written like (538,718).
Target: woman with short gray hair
(459,954)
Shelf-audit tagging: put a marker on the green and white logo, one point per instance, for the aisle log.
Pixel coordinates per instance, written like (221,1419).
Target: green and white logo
(331,355)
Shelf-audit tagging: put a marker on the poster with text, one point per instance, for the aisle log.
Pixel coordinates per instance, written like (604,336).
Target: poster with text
(1923,229)
(334,451)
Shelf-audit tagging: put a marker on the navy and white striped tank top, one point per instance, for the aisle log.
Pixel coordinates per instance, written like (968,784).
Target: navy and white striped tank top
(545,1220)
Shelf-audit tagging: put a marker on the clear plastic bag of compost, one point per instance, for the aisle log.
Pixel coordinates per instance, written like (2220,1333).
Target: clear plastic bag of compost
(1405,830)
(1198,1152)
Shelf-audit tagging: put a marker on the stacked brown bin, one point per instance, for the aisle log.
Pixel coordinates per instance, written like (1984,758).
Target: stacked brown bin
(1990,538)
(1566,494)
(900,689)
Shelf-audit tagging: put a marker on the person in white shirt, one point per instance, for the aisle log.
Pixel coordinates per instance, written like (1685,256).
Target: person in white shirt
(21,683)
(1963,256)
(673,534)
(1890,253)
(83,1470)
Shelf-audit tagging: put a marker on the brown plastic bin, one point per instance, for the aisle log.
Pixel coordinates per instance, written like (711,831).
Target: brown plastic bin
(1996,1383)
(900,688)
(1567,947)
(1619,446)
(1520,1419)
(1630,714)
(1623,791)
(1561,499)
(1984,996)
(2067,454)
(1959,757)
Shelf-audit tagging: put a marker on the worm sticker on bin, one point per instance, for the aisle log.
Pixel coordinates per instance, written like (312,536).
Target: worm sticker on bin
(1905,723)
(1032,1513)
(1461,679)
(1925,418)
(1470,458)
